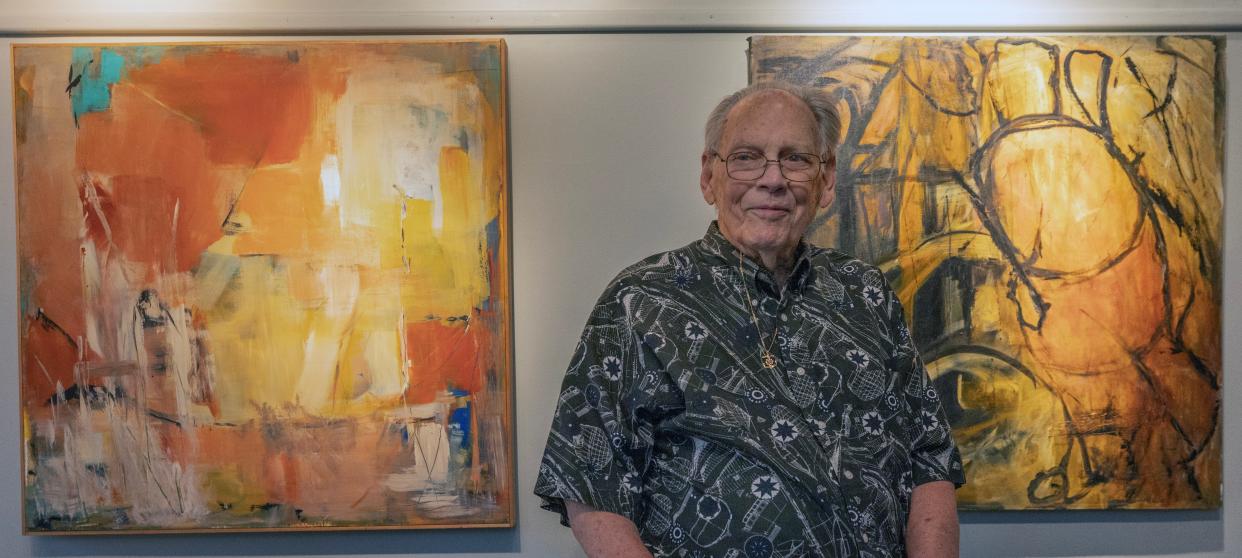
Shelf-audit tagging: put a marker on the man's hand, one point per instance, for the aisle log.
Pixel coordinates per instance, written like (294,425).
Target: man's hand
(932,531)
(605,534)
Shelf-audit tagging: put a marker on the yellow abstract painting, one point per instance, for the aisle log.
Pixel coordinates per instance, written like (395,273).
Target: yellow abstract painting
(1049,211)
(264,286)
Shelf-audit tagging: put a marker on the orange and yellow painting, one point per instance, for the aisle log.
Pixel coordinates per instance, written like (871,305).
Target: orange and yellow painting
(264,286)
(1048,209)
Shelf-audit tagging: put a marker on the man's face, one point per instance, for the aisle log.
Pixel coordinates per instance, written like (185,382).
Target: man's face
(767,215)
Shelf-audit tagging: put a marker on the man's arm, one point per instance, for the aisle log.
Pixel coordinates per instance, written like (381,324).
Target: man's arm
(604,534)
(931,531)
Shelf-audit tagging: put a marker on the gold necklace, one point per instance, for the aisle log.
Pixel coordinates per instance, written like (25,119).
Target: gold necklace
(765,353)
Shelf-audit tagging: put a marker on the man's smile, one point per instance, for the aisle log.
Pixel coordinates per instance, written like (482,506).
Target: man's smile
(769,211)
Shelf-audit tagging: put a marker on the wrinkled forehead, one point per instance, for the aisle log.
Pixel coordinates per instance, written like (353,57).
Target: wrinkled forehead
(773,116)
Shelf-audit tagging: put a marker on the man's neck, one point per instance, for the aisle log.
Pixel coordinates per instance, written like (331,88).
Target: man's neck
(779,263)
(779,266)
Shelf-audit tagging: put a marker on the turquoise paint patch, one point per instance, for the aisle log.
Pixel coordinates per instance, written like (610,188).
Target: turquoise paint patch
(110,65)
(93,92)
(81,57)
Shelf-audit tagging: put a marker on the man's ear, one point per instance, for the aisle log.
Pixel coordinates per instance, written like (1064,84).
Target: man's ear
(830,184)
(705,178)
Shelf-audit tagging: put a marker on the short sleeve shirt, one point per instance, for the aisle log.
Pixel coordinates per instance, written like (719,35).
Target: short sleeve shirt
(668,416)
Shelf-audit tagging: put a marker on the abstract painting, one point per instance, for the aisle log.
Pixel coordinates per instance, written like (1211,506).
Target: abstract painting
(264,286)
(1049,211)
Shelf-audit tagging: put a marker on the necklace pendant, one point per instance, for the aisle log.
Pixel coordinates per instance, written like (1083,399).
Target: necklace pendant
(769,361)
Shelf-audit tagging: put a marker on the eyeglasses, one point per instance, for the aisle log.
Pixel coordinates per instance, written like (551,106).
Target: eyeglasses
(749,165)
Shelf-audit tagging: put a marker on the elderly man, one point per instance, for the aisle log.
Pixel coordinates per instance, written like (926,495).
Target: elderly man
(752,395)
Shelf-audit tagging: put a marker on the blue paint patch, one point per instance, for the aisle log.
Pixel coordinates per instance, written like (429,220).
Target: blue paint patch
(459,423)
(94,78)
(146,54)
(492,230)
(493,233)
(430,119)
(486,64)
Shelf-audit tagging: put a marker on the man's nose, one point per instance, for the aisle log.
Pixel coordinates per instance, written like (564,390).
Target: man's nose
(772,177)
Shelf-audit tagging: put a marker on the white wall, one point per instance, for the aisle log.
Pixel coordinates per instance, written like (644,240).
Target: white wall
(605,136)
(499,16)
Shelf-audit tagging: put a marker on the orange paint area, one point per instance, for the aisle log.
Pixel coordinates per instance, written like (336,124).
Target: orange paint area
(444,356)
(264,286)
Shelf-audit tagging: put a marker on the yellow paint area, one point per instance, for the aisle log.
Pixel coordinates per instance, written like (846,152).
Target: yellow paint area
(1053,193)
(326,276)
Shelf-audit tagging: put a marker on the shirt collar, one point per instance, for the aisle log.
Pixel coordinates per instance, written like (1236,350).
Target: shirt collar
(716,247)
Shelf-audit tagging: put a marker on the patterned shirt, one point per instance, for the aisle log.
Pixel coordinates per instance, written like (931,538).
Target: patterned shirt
(668,417)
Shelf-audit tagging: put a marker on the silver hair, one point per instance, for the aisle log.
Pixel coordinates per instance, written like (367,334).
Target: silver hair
(827,122)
